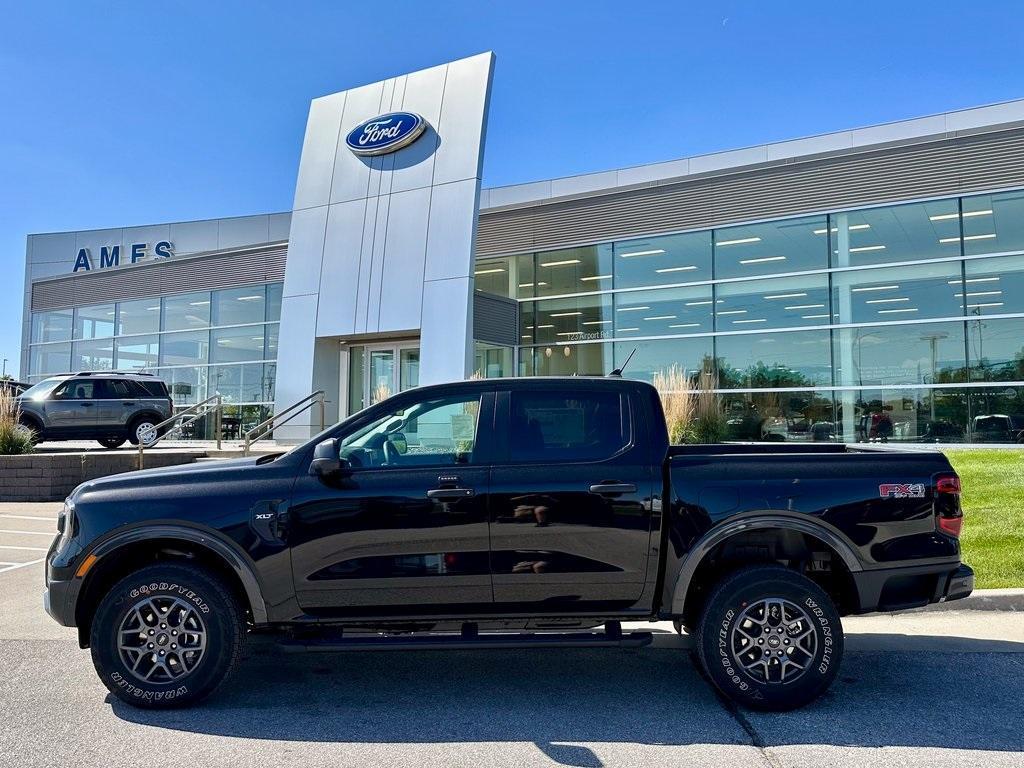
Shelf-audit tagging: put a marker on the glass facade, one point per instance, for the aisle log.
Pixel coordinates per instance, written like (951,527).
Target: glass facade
(892,323)
(202,343)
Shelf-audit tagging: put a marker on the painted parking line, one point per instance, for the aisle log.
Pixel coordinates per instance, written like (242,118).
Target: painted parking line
(13,566)
(27,517)
(31,549)
(28,533)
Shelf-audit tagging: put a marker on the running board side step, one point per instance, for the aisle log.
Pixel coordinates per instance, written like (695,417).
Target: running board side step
(335,641)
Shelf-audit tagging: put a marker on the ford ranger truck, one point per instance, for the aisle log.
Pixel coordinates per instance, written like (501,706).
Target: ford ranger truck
(505,513)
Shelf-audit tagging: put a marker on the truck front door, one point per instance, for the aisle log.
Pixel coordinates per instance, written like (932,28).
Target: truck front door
(402,530)
(570,501)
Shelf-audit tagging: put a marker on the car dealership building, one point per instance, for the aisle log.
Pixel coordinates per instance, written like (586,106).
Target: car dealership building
(866,284)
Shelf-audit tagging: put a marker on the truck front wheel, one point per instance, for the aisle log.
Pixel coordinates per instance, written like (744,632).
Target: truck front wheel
(166,636)
(770,638)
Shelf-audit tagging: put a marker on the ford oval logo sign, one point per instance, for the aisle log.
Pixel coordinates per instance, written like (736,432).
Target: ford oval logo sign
(385,133)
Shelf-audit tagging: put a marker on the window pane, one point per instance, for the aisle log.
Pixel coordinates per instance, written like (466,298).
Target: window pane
(494,276)
(269,375)
(690,355)
(138,316)
(228,345)
(52,326)
(779,303)
(574,270)
(571,359)
(270,349)
(762,249)
(567,426)
(994,223)
(430,433)
(781,416)
(92,355)
(904,415)
(662,261)
(525,282)
(185,348)
(572,319)
(187,310)
(138,352)
(254,384)
(274,302)
(898,293)
(77,389)
(896,233)
(187,385)
(239,305)
(996,349)
(663,312)
(995,286)
(226,381)
(771,360)
(94,322)
(927,353)
(50,358)
(492,361)
(997,415)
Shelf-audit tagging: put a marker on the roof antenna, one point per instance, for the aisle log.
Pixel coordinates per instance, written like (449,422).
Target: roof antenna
(617,373)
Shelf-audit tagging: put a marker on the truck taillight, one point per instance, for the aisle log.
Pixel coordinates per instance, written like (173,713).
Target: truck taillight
(949,517)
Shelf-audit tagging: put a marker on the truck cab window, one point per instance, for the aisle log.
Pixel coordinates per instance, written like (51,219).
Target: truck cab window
(437,432)
(568,426)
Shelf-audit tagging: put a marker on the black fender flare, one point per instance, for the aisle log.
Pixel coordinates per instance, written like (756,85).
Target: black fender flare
(227,552)
(751,521)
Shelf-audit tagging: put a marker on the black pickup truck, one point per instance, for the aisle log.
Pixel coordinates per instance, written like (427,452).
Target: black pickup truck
(504,513)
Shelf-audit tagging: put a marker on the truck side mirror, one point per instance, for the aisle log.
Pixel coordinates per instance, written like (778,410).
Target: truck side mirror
(326,461)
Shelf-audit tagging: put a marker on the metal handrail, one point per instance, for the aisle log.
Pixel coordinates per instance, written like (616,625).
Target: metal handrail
(180,414)
(264,427)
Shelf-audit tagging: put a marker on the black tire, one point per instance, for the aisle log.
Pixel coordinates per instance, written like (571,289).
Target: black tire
(208,602)
(111,442)
(35,431)
(755,675)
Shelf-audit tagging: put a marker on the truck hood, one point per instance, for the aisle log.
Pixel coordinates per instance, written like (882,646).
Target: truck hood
(159,477)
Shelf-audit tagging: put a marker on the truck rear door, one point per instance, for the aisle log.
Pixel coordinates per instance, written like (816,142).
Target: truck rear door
(570,511)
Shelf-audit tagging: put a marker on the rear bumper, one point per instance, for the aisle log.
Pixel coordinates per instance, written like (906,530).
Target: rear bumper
(897,589)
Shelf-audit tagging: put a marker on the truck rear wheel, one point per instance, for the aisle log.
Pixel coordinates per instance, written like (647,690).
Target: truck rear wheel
(166,636)
(770,638)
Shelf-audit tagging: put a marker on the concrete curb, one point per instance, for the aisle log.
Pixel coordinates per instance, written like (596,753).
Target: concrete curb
(981,600)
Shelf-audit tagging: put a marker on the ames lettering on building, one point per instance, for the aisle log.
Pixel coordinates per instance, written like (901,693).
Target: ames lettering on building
(110,255)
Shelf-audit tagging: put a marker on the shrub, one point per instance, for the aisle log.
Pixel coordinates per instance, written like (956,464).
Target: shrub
(679,403)
(14,438)
(709,426)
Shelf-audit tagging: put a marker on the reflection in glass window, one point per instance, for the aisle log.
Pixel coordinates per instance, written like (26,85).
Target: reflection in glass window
(878,355)
(50,358)
(691,355)
(239,305)
(188,348)
(142,316)
(773,360)
(776,303)
(667,260)
(226,381)
(994,223)
(270,350)
(994,286)
(235,345)
(274,302)
(138,352)
(898,293)
(94,322)
(574,270)
(570,319)
(492,361)
(896,233)
(997,414)
(52,326)
(186,310)
(494,276)
(904,415)
(996,349)
(186,385)
(571,359)
(662,312)
(779,417)
(95,355)
(793,245)
(553,426)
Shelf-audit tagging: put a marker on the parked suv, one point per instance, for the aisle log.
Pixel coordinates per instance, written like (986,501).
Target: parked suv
(107,407)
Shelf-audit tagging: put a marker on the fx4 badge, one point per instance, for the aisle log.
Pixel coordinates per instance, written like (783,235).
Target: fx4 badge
(901,490)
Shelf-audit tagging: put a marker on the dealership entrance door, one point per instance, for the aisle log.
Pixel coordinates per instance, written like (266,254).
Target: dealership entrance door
(377,371)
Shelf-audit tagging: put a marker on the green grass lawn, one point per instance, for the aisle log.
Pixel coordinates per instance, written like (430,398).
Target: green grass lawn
(993,501)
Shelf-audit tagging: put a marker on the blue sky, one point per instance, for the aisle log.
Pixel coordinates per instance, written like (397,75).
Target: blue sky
(118,114)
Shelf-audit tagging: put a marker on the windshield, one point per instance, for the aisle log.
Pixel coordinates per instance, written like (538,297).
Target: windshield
(41,390)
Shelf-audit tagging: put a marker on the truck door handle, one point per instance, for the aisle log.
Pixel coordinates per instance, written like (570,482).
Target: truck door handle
(610,489)
(450,493)
(86,405)
(128,402)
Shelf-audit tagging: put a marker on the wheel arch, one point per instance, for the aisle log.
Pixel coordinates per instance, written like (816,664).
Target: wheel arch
(130,550)
(713,540)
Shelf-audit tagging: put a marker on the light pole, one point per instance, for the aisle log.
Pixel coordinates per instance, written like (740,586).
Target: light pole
(933,338)
(4,374)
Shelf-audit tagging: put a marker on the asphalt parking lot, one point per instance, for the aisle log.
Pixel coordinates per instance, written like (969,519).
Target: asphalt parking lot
(930,688)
